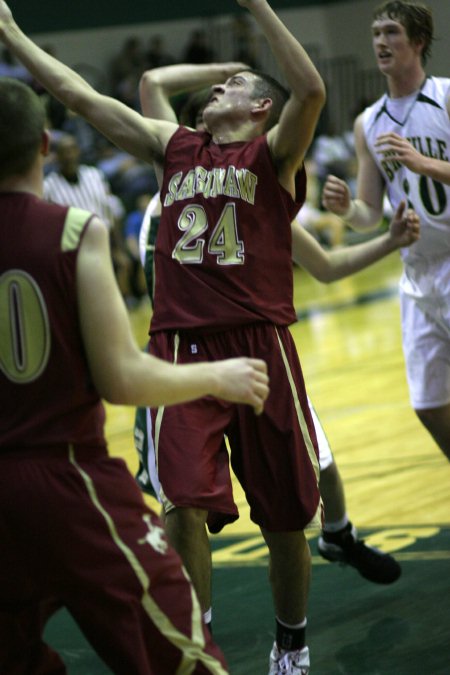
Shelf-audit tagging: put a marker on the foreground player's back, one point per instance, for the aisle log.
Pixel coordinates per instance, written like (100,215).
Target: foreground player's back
(46,395)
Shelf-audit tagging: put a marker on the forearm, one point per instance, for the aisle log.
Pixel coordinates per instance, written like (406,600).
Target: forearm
(159,84)
(301,74)
(362,217)
(346,261)
(437,169)
(184,77)
(144,380)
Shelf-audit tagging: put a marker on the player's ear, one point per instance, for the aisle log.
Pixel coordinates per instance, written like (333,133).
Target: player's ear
(419,46)
(262,104)
(261,109)
(45,143)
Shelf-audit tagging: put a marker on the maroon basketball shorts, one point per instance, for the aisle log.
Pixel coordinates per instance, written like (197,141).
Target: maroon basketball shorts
(75,532)
(274,455)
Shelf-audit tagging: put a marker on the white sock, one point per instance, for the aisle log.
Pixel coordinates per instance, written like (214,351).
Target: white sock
(337,525)
(207,616)
(302,624)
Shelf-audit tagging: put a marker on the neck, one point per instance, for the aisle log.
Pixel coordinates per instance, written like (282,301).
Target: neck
(221,136)
(226,131)
(71,176)
(406,83)
(31,182)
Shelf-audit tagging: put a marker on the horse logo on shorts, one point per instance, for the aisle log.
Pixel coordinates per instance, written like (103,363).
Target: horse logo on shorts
(154,536)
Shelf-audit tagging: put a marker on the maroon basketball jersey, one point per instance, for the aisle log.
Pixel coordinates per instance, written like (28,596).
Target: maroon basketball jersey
(223,250)
(46,396)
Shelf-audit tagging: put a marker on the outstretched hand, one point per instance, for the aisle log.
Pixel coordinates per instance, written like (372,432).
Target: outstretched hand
(243,380)
(404,228)
(395,148)
(336,196)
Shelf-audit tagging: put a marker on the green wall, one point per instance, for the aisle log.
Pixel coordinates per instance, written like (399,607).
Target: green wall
(54,15)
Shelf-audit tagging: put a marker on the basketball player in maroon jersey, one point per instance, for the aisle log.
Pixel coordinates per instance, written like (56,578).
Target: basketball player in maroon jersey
(229,197)
(74,529)
(339,540)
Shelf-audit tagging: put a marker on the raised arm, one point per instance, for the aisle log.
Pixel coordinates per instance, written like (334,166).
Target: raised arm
(290,139)
(127,129)
(121,372)
(159,84)
(328,266)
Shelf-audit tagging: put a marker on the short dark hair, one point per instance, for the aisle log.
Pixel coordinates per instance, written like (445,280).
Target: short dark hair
(267,86)
(416,19)
(22,122)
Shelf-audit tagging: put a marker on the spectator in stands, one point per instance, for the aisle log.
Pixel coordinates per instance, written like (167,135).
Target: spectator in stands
(156,54)
(9,67)
(126,70)
(333,153)
(245,42)
(128,176)
(327,228)
(198,49)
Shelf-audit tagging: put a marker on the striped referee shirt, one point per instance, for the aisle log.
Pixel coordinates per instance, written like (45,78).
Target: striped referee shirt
(91,192)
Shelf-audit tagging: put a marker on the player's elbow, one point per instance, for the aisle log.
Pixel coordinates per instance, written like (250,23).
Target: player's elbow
(118,393)
(315,92)
(326,277)
(113,385)
(112,393)
(149,80)
(370,222)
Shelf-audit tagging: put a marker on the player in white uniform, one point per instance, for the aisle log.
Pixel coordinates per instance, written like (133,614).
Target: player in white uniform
(403,148)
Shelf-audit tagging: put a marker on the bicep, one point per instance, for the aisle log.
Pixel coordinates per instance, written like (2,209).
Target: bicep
(127,129)
(104,322)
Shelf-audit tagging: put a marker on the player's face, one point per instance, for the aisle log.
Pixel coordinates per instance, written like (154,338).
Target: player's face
(393,49)
(232,100)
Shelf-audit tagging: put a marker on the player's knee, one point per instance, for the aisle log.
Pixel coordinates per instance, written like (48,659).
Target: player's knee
(187,517)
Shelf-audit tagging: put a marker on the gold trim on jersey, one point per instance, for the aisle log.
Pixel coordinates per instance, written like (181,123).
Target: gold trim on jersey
(73,227)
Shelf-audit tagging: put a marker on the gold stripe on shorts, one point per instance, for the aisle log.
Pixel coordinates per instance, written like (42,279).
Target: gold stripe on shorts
(167,504)
(317,519)
(191,648)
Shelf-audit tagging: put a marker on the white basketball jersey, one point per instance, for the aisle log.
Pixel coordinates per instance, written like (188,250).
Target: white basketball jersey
(424,121)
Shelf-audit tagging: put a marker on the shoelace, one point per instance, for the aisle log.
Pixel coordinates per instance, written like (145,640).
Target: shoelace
(286,666)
